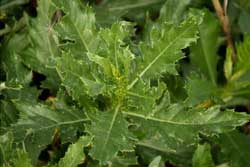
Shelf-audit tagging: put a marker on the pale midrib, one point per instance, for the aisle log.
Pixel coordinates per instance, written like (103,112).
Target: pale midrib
(140,96)
(110,128)
(242,92)
(172,122)
(156,58)
(210,68)
(58,124)
(168,150)
(82,40)
(50,49)
(116,57)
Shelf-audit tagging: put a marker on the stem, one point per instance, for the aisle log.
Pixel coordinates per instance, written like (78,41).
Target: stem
(222,15)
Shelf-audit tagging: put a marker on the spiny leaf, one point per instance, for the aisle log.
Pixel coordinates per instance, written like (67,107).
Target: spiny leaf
(119,56)
(16,73)
(164,49)
(75,155)
(243,55)
(202,156)
(77,27)
(110,132)
(110,69)
(37,125)
(173,129)
(77,79)
(203,53)
(142,98)
(43,46)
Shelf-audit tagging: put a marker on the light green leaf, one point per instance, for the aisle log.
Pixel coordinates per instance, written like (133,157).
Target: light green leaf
(203,53)
(37,124)
(156,162)
(9,155)
(240,79)
(202,156)
(75,155)
(22,159)
(120,57)
(243,55)
(6,150)
(110,132)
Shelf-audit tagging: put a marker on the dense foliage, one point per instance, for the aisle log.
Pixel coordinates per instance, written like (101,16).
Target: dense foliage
(124,83)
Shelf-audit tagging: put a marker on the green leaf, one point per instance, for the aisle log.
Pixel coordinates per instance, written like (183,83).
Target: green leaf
(202,156)
(173,11)
(174,129)
(203,53)
(124,159)
(77,79)
(5,4)
(200,90)
(110,69)
(8,115)
(77,27)
(164,49)
(16,73)
(75,155)
(110,11)
(110,132)
(244,23)
(142,98)
(234,146)
(43,46)
(37,124)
